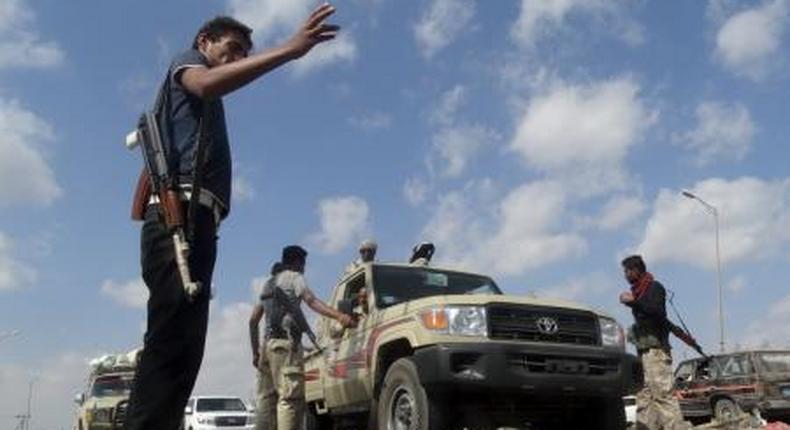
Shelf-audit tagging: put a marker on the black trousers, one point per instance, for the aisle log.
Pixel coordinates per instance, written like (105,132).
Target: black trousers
(176,333)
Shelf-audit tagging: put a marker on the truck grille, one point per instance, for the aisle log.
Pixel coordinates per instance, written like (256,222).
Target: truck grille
(535,363)
(119,418)
(231,421)
(508,322)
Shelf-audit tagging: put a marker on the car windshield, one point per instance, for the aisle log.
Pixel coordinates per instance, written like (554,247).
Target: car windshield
(220,405)
(111,386)
(395,285)
(775,361)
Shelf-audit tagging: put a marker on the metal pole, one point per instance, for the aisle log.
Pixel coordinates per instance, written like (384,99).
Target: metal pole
(713,211)
(718,282)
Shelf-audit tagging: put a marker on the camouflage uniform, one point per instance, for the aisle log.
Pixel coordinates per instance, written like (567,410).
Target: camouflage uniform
(656,407)
(266,413)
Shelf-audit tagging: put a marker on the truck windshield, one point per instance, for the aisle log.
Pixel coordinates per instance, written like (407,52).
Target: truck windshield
(112,386)
(778,362)
(220,405)
(395,285)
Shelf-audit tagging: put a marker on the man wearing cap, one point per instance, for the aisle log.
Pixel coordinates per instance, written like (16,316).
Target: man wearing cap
(283,353)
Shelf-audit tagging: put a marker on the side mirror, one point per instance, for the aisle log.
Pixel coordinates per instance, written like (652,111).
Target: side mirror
(346,306)
(79,398)
(188,410)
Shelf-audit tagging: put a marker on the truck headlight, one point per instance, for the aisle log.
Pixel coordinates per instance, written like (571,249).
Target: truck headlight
(456,320)
(611,333)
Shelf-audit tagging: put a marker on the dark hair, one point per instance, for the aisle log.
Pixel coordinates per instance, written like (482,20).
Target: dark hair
(634,262)
(277,268)
(293,254)
(221,25)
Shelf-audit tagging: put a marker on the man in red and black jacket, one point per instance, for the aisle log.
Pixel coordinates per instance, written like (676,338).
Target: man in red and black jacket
(656,407)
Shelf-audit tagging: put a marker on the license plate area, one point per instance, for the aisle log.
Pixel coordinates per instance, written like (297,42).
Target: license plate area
(570,367)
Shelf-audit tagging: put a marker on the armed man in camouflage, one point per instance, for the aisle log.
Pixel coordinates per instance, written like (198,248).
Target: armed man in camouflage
(656,407)
(282,358)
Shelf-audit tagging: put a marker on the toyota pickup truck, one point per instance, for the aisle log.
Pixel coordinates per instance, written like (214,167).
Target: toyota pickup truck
(439,349)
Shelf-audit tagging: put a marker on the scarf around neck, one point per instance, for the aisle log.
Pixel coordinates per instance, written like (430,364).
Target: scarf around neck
(642,285)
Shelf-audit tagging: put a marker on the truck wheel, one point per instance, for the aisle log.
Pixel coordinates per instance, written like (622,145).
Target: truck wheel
(404,403)
(725,410)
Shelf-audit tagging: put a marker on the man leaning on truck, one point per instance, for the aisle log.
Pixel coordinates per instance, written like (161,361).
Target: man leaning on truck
(283,353)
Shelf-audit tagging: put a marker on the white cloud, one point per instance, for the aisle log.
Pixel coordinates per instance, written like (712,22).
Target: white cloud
(449,104)
(242,189)
(55,380)
(441,23)
(14,274)
(749,41)
(772,327)
(273,20)
(754,220)
(343,220)
(521,231)
(539,18)
(22,135)
(20,44)
(457,145)
(342,48)
(131,294)
(618,212)
(580,287)
(415,190)
(584,132)
(722,131)
(371,121)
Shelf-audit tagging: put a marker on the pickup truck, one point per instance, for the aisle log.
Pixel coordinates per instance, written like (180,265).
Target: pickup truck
(439,349)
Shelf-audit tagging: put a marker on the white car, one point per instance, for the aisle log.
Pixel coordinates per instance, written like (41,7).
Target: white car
(217,412)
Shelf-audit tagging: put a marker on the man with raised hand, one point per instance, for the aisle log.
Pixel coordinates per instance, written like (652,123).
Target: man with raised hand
(189,109)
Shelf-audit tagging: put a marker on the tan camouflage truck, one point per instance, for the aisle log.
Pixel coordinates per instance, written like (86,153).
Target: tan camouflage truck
(103,404)
(442,349)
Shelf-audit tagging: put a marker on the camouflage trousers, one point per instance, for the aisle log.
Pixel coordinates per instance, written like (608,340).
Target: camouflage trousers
(280,394)
(656,407)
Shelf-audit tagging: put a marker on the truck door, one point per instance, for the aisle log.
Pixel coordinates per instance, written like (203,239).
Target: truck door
(347,369)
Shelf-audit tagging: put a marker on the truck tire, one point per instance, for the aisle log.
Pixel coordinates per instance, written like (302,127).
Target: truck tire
(725,409)
(404,404)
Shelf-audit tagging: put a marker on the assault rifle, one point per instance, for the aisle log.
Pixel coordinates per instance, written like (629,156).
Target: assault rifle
(685,337)
(279,296)
(164,186)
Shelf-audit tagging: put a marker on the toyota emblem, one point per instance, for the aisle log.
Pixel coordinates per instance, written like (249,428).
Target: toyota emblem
(547,325)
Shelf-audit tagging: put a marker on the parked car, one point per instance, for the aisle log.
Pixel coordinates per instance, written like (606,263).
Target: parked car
(214,412)
(720,386)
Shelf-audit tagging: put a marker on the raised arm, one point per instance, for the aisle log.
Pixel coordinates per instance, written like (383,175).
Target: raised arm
(215,82)
(322,308)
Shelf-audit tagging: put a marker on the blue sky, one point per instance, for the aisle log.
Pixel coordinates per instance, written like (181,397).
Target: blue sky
(538,141)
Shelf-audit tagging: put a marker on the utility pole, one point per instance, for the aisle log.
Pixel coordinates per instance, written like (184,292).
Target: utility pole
(715,212)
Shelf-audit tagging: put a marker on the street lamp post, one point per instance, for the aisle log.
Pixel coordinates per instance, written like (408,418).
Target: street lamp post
(713,211)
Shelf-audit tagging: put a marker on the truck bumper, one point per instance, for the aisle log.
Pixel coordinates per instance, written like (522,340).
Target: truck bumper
(529,369)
